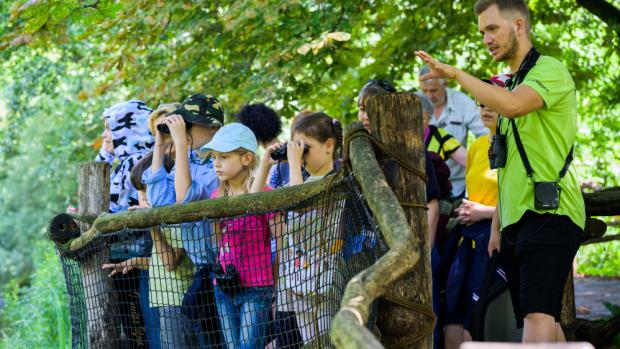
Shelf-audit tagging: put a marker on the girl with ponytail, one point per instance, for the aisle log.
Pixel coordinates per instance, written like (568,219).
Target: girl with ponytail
(310,251)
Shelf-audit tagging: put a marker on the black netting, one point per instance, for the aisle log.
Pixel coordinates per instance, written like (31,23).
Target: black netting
(235,282)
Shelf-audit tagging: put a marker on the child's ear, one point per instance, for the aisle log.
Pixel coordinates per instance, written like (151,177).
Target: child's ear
(246,158)
(330,145)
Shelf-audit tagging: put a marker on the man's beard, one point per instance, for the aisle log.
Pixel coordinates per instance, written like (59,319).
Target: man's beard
(513,47)
(441,102)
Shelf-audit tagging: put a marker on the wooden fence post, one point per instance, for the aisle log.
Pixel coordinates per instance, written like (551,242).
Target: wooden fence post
(396,122)
(569,313)
(94,199)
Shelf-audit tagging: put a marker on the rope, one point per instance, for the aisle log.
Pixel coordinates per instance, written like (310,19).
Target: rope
(361,132)
(413,205)
(426,331)
(425,311)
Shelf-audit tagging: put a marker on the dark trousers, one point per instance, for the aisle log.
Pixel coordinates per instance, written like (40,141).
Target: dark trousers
(128,315)
(286,330)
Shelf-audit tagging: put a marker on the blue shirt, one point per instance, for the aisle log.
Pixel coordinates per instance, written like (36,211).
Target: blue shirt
(196,236)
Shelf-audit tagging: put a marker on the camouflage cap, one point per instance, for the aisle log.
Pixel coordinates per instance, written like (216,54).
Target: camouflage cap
(200,109)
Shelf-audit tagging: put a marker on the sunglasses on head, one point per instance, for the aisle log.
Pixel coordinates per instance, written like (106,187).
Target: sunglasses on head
(384,84)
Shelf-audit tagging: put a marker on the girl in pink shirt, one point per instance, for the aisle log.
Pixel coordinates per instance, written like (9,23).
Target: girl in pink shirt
(244,271)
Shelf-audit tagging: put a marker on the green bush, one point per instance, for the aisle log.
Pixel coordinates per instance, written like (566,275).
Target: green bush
(37,316)
(600,259)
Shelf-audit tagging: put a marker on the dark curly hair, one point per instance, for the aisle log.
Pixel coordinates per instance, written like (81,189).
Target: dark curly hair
(262,120)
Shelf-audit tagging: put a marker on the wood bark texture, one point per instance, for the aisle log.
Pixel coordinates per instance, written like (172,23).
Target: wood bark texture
(396,122)
(349,325)
(197,210)
(94,199)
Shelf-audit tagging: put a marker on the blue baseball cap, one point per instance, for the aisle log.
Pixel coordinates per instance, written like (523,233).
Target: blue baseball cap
(232,137)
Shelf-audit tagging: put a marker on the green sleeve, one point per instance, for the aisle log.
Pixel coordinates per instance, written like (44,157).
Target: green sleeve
(550,79)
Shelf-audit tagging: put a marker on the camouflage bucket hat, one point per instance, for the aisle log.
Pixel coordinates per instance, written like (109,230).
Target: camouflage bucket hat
(202,109)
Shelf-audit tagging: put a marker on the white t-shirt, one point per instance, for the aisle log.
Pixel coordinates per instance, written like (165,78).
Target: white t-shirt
(310,257)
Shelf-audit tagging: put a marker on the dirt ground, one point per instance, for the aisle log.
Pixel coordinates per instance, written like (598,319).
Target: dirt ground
(591,292)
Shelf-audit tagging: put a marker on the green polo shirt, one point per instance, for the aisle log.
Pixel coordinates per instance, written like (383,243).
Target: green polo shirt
(547,135)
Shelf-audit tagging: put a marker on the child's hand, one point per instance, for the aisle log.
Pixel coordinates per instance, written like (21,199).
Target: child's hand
(267,160)
(177,127)
(295,152)
(137,207)
(123,267)
(470,212)
(161,139)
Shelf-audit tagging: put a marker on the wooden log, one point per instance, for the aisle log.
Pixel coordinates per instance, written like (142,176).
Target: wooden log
(569,313)
(348,326)
(63,228)
(594,229)
(396,122)
(93,190)
(608,238)
(603,203)
(94,199)
(197,210)
(600,333)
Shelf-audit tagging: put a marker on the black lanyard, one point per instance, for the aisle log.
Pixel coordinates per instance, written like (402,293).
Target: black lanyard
(528,63)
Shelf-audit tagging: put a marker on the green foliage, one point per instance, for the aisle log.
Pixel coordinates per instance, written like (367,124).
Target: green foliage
(46,132)
(37,316)
(614,309)
(63,61)
(600,259)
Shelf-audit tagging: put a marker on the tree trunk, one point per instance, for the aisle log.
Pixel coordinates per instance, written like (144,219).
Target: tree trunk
(605,11)
(600,333)
(94,199)
(569,313)
(349,325)
(396,122)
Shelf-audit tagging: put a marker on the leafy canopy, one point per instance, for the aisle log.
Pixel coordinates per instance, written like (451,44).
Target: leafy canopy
(64,61)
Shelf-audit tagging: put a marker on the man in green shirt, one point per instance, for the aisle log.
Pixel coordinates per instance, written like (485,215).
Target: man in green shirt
(540,233)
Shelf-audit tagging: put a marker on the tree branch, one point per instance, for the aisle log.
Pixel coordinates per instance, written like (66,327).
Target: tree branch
(93,5)
(198,210)
(605,11)
(603,203)
(602,239)
(342,11)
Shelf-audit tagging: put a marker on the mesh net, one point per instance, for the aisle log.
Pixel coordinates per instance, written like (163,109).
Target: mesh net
(236,282)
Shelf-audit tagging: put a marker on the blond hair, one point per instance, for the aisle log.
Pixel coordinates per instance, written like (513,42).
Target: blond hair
(247,171)
(162,110)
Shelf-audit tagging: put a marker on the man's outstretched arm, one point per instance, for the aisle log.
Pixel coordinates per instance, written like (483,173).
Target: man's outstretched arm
(511,104)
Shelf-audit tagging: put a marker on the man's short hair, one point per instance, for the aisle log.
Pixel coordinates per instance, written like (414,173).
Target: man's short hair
(425,70)
(426,104)
(505,5)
